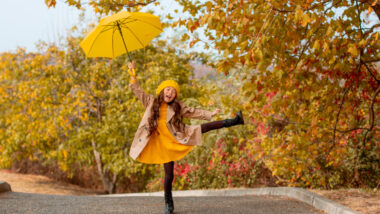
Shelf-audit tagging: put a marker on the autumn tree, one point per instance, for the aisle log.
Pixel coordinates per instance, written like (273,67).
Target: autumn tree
(310,80)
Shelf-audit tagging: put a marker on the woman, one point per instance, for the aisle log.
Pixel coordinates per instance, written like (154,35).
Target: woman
(161,137)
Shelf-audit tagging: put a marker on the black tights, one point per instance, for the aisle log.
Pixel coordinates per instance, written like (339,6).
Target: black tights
(169,167)
(169,176)
(211,126)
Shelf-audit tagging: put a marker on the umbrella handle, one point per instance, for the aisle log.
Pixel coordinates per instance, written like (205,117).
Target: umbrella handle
(129,57)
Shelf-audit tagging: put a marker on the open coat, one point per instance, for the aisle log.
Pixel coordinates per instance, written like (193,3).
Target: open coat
(191,135)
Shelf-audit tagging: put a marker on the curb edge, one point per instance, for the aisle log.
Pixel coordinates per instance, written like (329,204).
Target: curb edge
(317,201)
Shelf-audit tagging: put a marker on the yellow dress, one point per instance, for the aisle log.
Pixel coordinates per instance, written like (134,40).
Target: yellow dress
(163,147)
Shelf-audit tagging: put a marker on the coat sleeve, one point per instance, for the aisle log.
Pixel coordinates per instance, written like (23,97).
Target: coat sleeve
(195,113)
(141,95)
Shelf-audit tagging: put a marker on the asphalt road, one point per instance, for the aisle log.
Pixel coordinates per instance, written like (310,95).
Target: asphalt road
(15,202)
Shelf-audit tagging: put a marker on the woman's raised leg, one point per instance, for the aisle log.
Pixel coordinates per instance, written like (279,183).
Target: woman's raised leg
(223,123)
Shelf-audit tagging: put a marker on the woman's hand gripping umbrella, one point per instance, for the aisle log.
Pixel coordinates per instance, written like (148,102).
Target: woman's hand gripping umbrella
(132,72)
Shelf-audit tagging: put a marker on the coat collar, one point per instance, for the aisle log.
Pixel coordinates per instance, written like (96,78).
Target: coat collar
(170,113)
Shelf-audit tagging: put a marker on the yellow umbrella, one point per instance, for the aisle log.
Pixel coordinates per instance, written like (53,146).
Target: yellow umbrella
(120,33)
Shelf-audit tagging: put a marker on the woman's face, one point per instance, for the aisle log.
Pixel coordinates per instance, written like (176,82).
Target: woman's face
(169,94)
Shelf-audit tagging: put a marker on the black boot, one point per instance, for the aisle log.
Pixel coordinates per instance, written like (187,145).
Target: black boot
(235,121)
(169,204)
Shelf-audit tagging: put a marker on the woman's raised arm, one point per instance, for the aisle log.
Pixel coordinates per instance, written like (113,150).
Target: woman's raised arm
(144,98)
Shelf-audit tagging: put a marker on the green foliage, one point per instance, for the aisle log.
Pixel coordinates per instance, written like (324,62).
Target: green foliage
(59,106)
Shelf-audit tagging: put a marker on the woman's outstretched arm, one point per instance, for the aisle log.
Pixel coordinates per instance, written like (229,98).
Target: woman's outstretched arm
(135,86)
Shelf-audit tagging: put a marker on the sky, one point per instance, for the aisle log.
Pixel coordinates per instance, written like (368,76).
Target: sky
(25,22)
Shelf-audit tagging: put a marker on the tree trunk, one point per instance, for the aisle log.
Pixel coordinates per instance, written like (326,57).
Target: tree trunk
(109,185)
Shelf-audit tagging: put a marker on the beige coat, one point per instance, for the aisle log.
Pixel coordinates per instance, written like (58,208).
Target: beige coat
(191,136)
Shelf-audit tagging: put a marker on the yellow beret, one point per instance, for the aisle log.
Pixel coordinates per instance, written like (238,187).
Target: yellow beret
(168,83)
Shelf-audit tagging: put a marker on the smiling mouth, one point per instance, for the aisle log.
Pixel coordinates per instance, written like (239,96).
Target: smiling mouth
(169,97)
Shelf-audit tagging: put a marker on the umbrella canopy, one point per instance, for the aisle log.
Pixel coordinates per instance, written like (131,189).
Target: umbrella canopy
(120,33)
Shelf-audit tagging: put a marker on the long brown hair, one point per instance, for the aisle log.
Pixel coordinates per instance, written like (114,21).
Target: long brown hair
(153,119)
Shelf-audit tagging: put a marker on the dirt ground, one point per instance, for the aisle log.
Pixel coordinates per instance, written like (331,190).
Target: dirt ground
(41,184)
(366,202)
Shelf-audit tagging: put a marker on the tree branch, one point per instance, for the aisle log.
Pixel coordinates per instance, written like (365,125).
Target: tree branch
(371,29)
(286,121)
(371,115)
(282,11)
(309,8)
(369,70)
(350,130)
(303,50)
(359,19)
(130,4)
(372,60)
(333,5)
(337,115)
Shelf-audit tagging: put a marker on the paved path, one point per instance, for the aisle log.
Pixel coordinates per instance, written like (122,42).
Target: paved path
(15,202)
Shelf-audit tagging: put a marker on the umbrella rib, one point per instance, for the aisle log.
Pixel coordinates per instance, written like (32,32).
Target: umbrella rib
(107,29)
(135,36)
(126,20)
(149,24)
(92,45)
(134,20)
(113,33)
